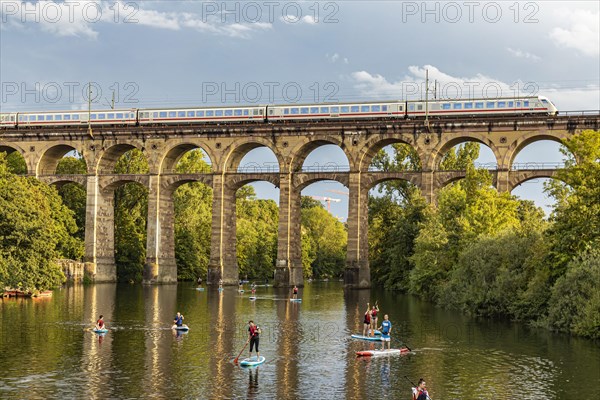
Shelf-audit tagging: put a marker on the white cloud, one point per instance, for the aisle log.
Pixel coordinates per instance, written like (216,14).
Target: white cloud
(79,18)
(523,54)
(583,34)
(335,58)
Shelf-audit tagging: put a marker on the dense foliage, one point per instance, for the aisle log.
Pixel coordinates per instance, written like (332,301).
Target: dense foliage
(35,230)
(491,254)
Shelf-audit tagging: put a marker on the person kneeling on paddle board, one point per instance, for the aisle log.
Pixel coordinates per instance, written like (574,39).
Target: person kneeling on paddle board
(254,331)
(386,330)
(178,320)
(99,324)
(420,392)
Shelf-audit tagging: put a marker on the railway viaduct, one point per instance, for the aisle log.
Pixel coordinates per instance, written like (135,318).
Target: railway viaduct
(227,144)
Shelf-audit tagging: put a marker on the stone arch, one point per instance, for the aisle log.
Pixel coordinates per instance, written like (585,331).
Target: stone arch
(171,183)
(14,148)
(440,150)
(373,145)
(110,156)
(525,140)
(110,183)
(517,178)
(302,150)
(62,180)
(302,180)
(239,180)
(174,153)
(371,181)
(50,158)
(237,150)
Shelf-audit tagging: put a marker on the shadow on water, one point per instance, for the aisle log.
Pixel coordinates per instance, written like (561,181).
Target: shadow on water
(307,346)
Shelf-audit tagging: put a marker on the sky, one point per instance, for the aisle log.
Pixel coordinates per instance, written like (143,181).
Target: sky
(203,53)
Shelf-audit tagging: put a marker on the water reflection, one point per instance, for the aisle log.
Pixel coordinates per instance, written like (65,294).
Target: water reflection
(47,350)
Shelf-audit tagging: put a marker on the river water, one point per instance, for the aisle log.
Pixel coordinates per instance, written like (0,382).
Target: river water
(46,350)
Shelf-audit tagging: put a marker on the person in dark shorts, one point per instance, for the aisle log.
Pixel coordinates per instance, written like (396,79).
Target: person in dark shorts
(178,321)
(254,332)
(295,292)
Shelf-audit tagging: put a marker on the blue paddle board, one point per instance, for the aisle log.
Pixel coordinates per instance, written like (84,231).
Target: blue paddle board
(371,338)
(252,361)
(100,330)
(200,289)
(181,328)
(295,299)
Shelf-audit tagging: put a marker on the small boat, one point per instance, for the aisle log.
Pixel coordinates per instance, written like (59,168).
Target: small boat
(375,353)
(183,327)
(370,338)
(252,361)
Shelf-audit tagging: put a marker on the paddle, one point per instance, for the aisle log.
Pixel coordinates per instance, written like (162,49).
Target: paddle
(236,359)
(405,377)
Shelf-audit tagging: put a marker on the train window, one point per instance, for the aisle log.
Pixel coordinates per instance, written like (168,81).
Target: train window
(385,108)
(199,113)
(324,109)
(210,113)
(286,111)
(58,117)
(354,109)
(446,106)
(411,107)
(190,114)
(180,114)
(218,113)
(75,117)
(40,118)
(261,111)
(501,104)
(238,113)
(511,104)
(419,107)
(526,103)
(110,116)
(119,115)
(345,109)
(67,117)
(457,106)
(294,110)
(490,104)
(246,112)
(468,106)
(335,110)
(162,114)
(375,108)
(21,118)
(479,104)
(304,110)
(364,108)
(314,110)
(48,117)
(172,114)
(228,113)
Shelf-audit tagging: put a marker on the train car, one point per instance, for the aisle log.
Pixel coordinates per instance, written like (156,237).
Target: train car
(77,117)
(201,115)
(474,107)
(8,120)
(286,112)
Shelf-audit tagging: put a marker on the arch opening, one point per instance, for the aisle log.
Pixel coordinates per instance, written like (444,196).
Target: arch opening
(185,158)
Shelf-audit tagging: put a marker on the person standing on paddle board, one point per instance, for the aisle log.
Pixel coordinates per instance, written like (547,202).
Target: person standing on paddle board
(100,324)
(420,392)
(178,319)
(386,330)
(367,321)
(253,332)
(221,284)
(374,312)
(295,292)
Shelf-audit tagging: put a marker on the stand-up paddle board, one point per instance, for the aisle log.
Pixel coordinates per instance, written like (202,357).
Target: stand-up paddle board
(241,290)
(252,361)
(375,353)
(371,338)
(100,330)
(252,298)
(200,289)
(181,328)
(299,300)
(220,289)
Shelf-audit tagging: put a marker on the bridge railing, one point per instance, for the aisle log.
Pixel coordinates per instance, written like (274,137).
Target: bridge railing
(537,165)
(579,113)
(326,167)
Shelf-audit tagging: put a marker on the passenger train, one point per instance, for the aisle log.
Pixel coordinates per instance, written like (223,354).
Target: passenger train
(289,112)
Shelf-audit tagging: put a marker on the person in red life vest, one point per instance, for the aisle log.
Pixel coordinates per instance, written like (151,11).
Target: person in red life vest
(367,321)
(253,332)
(374,312)
(295,292)
(420,392)
(100,324)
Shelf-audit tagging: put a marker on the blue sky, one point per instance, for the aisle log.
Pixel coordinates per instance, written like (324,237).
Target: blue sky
(171,53)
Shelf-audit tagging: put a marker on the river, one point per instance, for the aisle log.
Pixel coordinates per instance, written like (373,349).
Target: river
(47,351)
